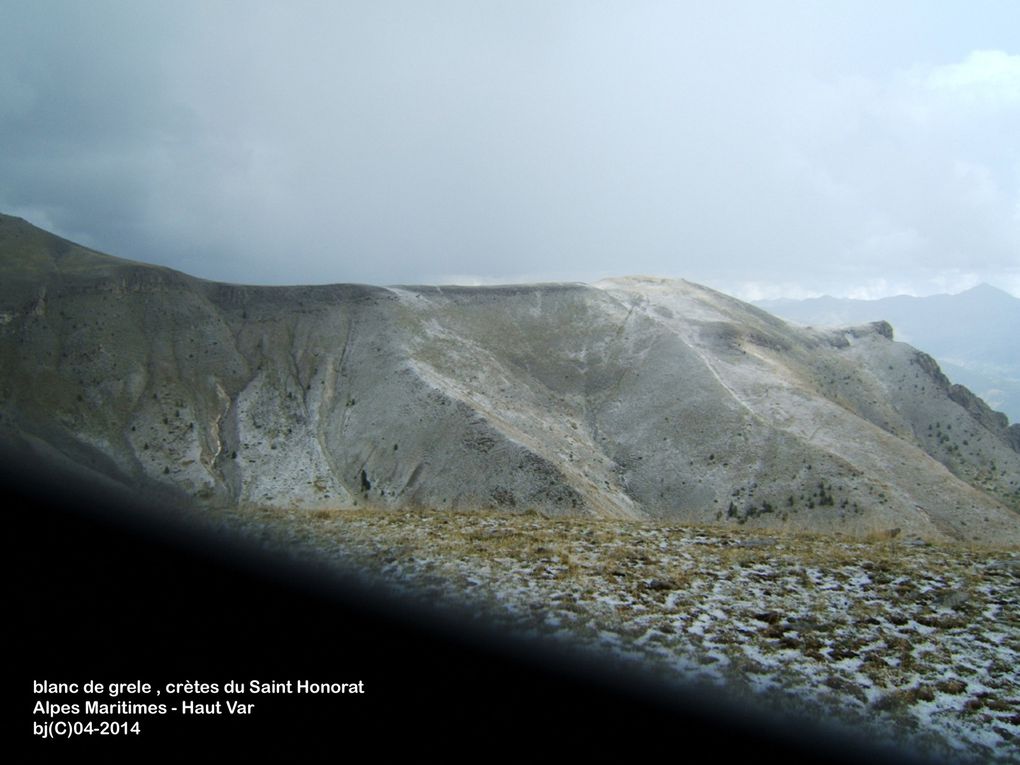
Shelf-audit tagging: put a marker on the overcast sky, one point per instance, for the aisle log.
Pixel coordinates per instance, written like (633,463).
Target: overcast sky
(765,148)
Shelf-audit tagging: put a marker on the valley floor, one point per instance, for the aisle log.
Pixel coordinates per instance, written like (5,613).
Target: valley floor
(915,643)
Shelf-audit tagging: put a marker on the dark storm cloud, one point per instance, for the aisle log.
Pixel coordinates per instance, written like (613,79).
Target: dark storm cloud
(787,147)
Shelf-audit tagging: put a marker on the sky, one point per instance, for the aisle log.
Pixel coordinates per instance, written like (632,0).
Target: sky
(765,148)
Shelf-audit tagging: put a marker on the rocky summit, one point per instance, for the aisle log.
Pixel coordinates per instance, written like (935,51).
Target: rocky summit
(631,398)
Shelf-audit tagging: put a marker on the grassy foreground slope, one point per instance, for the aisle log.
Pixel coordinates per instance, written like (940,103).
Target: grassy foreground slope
(911,643)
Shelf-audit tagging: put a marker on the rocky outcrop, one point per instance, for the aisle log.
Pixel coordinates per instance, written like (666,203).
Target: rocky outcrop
(994,421)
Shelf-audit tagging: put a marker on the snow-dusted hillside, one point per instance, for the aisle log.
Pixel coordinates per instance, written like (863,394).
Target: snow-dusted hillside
(636,398)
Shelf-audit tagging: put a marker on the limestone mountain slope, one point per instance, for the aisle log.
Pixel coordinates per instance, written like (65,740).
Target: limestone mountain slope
(972,334)
(633,398)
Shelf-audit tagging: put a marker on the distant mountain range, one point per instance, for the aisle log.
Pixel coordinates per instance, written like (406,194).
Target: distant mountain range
(636,398)
(974,335)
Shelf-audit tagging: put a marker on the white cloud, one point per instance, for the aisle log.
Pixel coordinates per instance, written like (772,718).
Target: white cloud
(1011,283)
(920,168)
(878,288)
(989,76)
(751,291)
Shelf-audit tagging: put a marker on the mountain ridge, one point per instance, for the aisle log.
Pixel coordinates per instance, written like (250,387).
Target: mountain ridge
(637,398)
(970,333)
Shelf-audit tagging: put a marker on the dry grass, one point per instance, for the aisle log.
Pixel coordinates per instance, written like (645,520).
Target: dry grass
(907,640)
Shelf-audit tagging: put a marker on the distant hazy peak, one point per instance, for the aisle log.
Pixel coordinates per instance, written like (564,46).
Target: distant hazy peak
(983,290)
(987,290)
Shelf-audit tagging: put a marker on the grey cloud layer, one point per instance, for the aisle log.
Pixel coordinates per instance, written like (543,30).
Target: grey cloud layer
(850,147)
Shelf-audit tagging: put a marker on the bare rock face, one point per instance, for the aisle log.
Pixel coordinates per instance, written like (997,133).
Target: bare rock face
(638,397)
